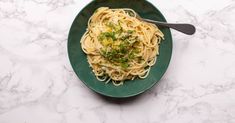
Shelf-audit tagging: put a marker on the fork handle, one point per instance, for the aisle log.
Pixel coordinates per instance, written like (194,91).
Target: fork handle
(188,29)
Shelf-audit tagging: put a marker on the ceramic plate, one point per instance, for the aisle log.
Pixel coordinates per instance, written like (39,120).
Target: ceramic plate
(79,62)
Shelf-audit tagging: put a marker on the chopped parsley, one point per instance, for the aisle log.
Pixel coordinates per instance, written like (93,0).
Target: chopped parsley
(106,35)
(118,45)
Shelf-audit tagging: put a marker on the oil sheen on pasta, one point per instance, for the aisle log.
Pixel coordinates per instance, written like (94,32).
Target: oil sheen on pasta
(119,46)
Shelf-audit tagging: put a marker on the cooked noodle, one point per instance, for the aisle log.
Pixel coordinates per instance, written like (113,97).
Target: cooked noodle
(119,46)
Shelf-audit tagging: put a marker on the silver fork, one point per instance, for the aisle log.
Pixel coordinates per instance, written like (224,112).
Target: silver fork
(188,29)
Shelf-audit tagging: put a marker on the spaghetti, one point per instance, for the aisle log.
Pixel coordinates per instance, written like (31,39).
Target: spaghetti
(119,46)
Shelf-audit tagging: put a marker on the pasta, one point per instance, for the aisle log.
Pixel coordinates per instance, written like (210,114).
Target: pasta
(119,46)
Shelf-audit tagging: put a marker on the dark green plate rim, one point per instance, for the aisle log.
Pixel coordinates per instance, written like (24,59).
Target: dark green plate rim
(113,95)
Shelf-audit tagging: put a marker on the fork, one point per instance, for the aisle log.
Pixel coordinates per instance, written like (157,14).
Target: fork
(188,29)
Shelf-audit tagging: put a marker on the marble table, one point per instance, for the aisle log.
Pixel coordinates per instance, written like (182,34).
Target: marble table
(38,85)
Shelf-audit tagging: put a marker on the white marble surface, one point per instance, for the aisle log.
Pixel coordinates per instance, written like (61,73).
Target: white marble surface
(38,85)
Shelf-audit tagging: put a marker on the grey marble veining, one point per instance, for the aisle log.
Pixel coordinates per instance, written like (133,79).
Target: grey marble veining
(38,85)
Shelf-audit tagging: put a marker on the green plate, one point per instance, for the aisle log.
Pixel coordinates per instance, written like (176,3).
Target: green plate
(79,62)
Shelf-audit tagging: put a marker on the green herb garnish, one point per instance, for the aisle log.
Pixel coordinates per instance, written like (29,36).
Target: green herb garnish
(106,35)
(118,45)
